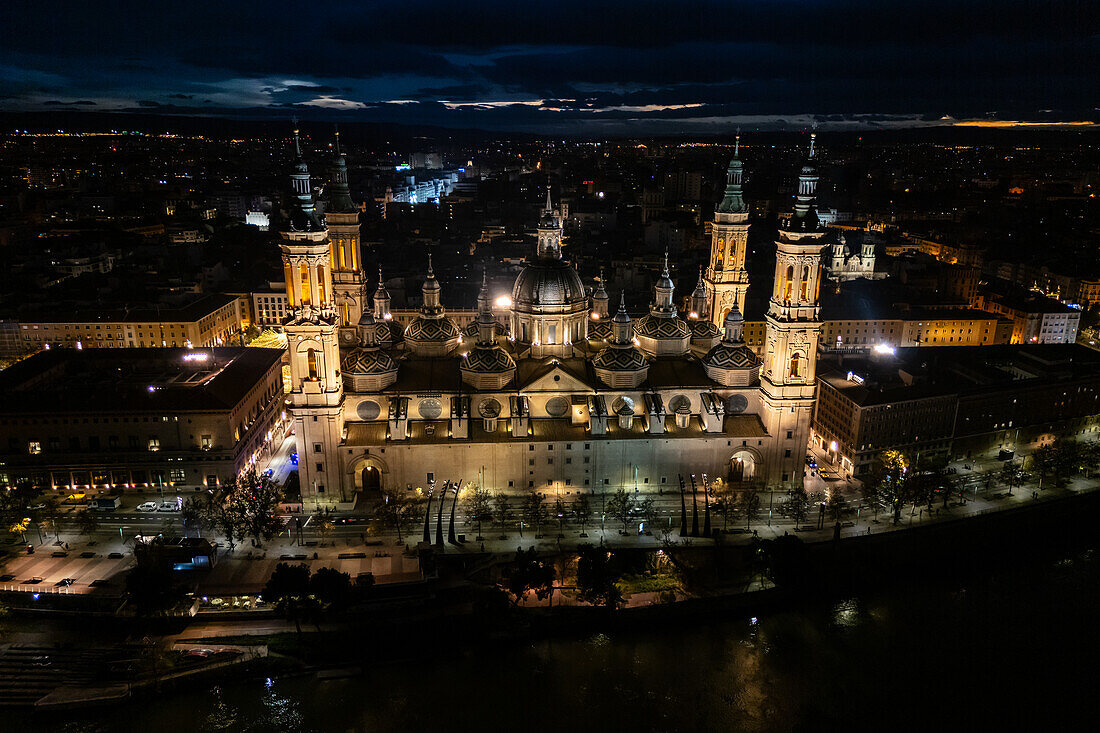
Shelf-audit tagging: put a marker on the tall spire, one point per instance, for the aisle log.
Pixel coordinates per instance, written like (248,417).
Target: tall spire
(732,201)
(303,213)
(340,198)
(699,298)
(804,217)
(620,329)
(429,291)
(381,298)
(664,289)
(549,232)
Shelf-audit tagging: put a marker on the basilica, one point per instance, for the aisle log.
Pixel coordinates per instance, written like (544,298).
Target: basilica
(563,390)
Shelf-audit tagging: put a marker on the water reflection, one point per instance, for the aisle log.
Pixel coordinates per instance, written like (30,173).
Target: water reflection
(814,667)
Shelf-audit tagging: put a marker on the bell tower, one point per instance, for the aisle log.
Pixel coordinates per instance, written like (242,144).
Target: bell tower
(316,387)
(342,217)
(726,281)
(788,374)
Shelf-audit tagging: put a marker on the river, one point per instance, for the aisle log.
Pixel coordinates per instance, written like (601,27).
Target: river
(1021,642)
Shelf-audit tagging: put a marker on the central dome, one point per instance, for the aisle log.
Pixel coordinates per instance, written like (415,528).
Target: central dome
(548,286)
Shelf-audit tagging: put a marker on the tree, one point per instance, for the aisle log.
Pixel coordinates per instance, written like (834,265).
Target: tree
(330,586)
(288,590)
(193,514)
(252,501)
(1044,461)
(749,506)
(597,575)
(479,508)
(87,521)
(534,511)
(560,512)
(582,509)
(648,509)
(528,573)
(888,486)
(502,512)
(621,506)
(324,528)
(51,514)
(153,590)
(797,506)
(397,513)
(725,501)
(17,502)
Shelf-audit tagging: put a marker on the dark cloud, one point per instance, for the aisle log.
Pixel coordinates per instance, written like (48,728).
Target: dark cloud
(612,62)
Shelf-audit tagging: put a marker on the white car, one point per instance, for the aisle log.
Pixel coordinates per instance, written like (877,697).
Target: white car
(168,506)
(147,506)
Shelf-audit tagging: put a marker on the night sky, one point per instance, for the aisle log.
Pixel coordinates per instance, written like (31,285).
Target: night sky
(592,67)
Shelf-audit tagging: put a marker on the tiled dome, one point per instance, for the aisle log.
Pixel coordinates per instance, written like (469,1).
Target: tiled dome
(656,327)
(368,361)
(620,360)
(731,356)
(491,360)
(432,329)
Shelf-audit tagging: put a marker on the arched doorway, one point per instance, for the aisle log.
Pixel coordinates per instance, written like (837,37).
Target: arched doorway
(742,468)
(371,479)
(368,474)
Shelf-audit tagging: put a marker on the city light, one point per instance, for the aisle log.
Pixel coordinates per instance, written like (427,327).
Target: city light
(503,301)
(884,349)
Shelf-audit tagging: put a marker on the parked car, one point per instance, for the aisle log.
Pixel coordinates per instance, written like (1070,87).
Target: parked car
(168,506)
(66,581)
(147,506)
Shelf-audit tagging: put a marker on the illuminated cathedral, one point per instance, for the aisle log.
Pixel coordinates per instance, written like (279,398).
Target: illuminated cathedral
(562,391)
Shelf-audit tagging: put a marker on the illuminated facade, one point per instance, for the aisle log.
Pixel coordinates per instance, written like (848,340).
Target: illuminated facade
(550,388)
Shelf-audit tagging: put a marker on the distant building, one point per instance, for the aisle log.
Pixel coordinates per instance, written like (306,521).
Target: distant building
(214,320)
(955,402)
(1035,318)
(160,419)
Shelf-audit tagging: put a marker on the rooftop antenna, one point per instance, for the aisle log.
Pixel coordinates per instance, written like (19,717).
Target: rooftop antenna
(336,126)
(297,147)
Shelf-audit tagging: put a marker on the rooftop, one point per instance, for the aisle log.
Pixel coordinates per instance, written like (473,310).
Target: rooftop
(133,380)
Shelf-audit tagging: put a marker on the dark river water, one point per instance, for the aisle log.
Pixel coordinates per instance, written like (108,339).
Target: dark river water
(1014,649)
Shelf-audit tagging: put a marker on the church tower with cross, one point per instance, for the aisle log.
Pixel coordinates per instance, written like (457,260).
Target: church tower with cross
(726,280)
(788,372)
(311,324)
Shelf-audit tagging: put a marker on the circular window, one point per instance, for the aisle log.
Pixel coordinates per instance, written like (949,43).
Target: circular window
(489,408)
(557,406)
(368,410)
(430,408)
(736,404)
(623,405)
(678,403)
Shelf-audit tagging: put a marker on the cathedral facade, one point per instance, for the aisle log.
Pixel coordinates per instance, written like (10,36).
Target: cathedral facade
(564,391)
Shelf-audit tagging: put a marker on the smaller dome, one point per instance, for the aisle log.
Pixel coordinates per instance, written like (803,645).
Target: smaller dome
(657,328)
(492,360)
(471,329)
(701,329)
(727,355)
(432,329)
(599,329)
(368,361)
(620,360)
